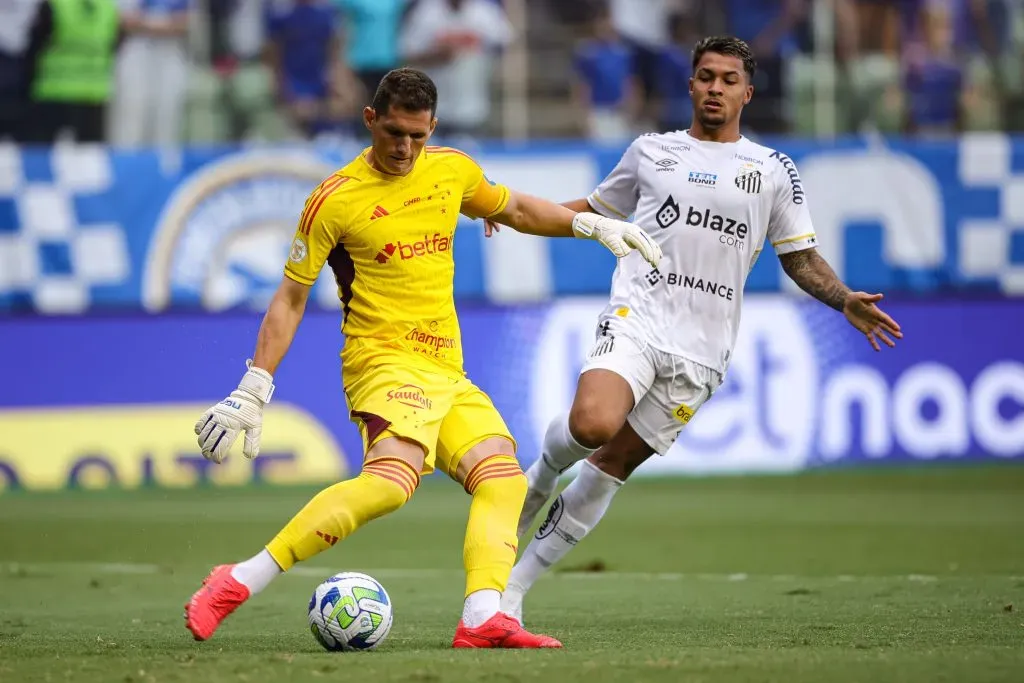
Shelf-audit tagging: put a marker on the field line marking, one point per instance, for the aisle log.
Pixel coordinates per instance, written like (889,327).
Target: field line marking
(136,568)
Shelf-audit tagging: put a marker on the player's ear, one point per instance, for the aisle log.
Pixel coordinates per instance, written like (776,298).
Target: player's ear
(691,86)
(748,94)
(369,116)
(433,125)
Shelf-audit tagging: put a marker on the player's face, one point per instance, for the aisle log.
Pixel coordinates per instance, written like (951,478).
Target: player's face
(719,90)
(398,136)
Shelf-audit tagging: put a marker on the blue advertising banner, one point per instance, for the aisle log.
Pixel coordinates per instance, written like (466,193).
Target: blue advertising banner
(94,400)
(84,228)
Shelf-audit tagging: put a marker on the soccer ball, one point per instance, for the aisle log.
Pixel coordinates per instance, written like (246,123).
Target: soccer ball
(350,611)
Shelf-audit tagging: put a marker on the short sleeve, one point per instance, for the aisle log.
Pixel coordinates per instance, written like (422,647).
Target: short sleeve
(789,227)
(320,229)
(619,192)
(481,197)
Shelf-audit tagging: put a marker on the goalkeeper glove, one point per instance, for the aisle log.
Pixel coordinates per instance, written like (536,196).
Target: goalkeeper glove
(619,237)
(242,411)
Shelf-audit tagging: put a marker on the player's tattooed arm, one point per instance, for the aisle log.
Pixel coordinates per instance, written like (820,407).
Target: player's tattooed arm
(813,274)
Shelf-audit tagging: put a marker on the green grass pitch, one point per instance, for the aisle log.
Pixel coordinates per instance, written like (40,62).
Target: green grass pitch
(892,575)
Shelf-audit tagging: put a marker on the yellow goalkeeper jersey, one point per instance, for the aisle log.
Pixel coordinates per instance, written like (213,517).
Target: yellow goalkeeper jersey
(388,240)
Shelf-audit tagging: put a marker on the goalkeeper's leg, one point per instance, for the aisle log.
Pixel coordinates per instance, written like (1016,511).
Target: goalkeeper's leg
(603,399)
(490,473)
(387,481)
(575,512)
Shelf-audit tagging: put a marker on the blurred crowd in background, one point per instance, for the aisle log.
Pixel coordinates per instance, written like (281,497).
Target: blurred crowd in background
(168,72)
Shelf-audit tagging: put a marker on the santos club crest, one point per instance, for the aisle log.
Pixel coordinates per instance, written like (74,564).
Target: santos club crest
(748,179)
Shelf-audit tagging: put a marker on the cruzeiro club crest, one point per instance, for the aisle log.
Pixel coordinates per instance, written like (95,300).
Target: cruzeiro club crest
(749,179)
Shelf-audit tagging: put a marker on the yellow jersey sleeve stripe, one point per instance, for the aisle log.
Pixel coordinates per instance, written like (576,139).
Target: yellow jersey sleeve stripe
(793,239)
(301,279)
(608,206)
(487,200)
(449,150)
(317,199)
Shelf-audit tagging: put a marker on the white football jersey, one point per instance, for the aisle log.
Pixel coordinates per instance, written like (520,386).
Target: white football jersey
(709,206)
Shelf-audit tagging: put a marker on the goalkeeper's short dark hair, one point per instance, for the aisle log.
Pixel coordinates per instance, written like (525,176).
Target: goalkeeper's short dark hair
(729,46)
(408,89)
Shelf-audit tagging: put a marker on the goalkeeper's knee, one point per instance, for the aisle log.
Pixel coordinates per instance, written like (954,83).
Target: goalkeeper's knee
(386,485)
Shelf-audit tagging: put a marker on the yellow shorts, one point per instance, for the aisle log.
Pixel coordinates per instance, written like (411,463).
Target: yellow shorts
(446,415)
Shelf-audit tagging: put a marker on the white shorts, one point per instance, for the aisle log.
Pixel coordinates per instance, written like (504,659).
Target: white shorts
(667,389)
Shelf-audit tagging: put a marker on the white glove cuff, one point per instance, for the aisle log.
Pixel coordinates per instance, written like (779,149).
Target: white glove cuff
(584,225)
(258,382)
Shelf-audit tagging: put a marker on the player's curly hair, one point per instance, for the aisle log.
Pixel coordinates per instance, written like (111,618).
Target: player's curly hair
(408,89)
(729,46)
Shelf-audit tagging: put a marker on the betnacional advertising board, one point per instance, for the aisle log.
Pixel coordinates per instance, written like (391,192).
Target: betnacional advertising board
(111,400)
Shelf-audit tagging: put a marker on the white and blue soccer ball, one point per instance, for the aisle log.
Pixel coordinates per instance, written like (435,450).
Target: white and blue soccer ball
(350,611)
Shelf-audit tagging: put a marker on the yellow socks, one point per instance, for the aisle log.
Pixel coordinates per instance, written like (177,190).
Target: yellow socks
(384,485)
(498,487)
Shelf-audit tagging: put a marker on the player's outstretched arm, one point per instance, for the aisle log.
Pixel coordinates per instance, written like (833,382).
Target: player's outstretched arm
(242,411)
(812,273)
(280,324)
(536,216)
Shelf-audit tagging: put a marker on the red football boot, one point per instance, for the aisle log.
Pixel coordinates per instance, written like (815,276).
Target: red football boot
(502,631)
(220,595)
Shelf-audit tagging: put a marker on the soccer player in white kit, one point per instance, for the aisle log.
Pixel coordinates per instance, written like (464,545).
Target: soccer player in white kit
(710,198)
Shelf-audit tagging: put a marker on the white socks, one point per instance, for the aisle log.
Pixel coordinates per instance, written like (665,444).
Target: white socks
(560,452)
(578,510)
(257,572)
(480,606)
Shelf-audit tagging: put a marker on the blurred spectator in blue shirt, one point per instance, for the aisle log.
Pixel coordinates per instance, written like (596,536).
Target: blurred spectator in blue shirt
(769,27)
(371,30)
(938,37)
(606,88)
(675,72)
(303,53)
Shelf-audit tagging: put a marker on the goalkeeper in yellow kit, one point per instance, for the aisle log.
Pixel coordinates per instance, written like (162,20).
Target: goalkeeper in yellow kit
(385,225)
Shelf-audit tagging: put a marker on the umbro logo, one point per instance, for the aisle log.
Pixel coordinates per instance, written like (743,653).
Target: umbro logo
(666,165)
(379,212)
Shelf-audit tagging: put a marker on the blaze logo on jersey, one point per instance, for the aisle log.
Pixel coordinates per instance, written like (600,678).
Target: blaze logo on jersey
(379,212)
(424,247)
(716,222)
(410,395)
(748,179)
(668,213)
(704,179)
(666,165)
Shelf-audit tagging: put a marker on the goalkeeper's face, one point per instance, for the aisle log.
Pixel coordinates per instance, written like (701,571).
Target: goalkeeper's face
(399,136)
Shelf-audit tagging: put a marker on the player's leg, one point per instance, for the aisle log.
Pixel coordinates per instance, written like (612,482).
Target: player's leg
(618,372)
(386,482)
(652,427)
(396,437)
(575,512)
(475,449)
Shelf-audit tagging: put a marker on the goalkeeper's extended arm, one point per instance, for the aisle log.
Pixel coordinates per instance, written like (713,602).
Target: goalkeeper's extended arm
(280,324)
(242,411)
(536,216)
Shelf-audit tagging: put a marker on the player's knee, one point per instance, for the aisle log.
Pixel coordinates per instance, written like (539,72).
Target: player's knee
(499,476)
(592,424)
(393,481)
(612,463)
